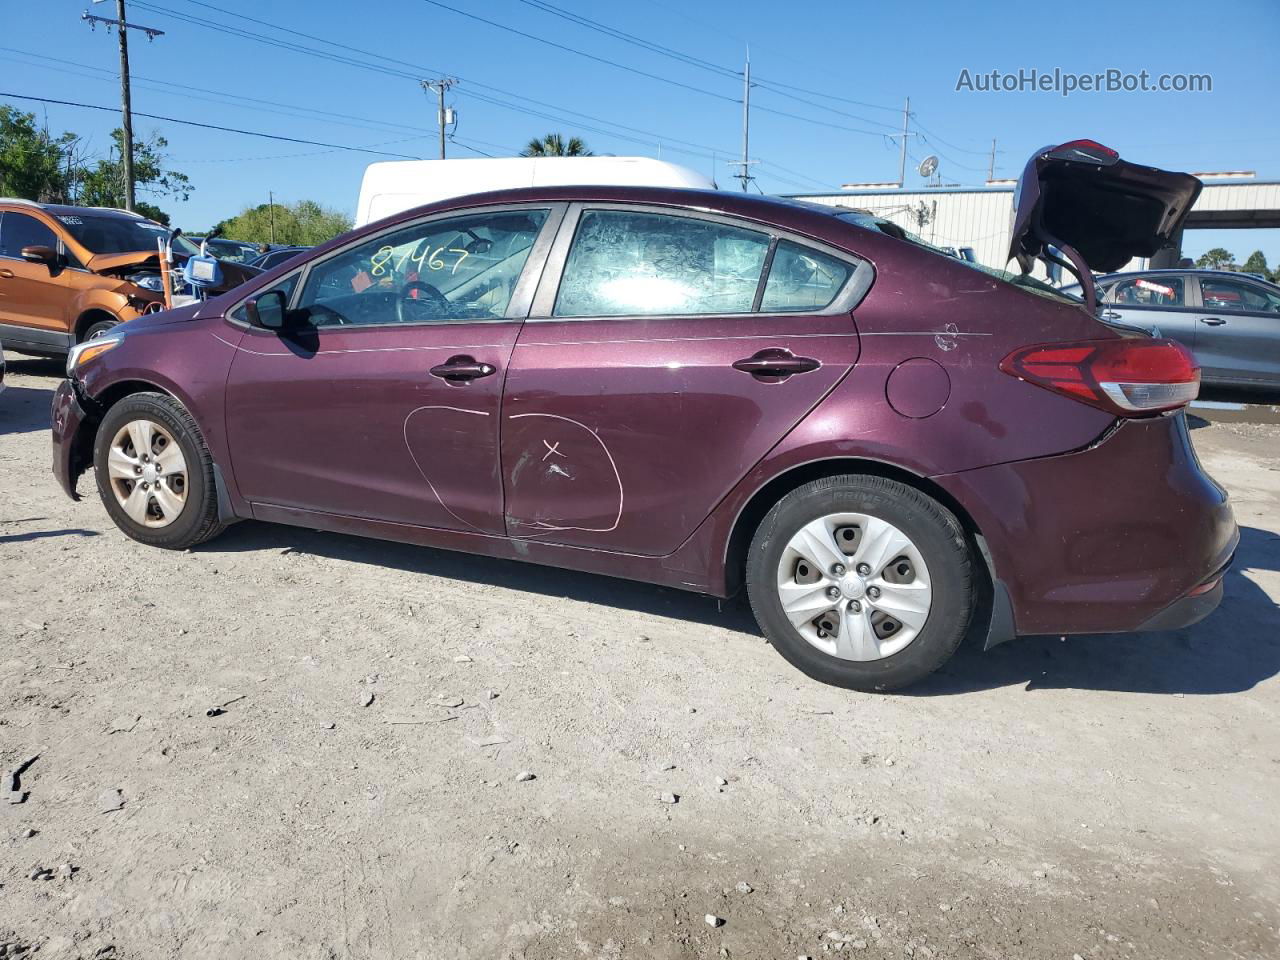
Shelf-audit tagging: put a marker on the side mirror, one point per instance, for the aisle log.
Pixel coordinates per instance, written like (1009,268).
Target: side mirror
(267,310)
(40,254)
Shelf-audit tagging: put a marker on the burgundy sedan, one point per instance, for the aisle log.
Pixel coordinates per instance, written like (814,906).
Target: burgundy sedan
(698,389)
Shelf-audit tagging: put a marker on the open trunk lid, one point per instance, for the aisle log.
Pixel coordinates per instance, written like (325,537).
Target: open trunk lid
(1082,195)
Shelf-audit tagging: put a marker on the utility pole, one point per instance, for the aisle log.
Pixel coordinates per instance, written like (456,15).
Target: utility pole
(902,149)
(440,86)
(271,206)
(744,175)
(126,108)
(991,167)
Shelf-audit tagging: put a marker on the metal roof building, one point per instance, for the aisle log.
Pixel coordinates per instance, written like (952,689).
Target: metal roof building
(980,217)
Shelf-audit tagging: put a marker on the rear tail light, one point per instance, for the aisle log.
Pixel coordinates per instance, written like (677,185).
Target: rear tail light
(1088,150)
(1126,376)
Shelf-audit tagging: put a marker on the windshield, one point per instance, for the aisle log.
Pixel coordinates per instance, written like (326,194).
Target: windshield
(107,234)
(1022,281)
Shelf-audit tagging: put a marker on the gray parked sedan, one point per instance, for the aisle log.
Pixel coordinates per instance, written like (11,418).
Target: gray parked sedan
(1231,321)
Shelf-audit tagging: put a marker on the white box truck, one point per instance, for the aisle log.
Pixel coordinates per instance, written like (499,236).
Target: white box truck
(388,188)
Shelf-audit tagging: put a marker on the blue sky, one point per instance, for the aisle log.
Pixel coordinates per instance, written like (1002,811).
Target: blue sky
(873,53)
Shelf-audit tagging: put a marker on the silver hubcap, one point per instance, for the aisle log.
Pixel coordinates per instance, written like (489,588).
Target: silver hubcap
(854,586)
(148,473)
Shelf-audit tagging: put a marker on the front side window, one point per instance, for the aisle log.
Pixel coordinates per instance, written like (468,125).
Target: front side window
(624,264)
(801,279)
(1237,297)
(1150,292)
(17,230)
(465,268)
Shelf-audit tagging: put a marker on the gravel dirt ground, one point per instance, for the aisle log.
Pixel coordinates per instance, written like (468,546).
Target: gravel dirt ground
(358,794)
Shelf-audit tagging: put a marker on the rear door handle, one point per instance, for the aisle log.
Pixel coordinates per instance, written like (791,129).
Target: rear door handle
(6,273)
(1110,315)
(775,362)
(1213,321)
(462,368)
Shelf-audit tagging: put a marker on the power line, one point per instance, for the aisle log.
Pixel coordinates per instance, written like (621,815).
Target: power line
(688,59)
(166,87)
(582,53)
(212,126)
(631,38)
(945,143)
(651,76)
(653,138)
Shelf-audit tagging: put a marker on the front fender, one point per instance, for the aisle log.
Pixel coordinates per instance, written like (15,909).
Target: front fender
(113,298)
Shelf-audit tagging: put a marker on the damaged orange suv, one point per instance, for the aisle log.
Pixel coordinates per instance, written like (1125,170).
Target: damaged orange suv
(69,273)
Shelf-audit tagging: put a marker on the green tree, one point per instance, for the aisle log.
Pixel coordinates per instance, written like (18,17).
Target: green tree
(103,185)
(1216,259)
(554,145)
(1257,263)
(305,224)
(31,162)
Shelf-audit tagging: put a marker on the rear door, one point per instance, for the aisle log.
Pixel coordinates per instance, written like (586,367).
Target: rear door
(658,367)
(1154,302)
(1238,330)
(384,404)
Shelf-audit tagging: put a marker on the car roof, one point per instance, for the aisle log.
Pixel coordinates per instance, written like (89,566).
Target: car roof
(63,210)
(815,219)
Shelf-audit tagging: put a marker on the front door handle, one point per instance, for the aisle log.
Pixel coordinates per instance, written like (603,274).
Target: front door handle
(1110,315)
(1213,321)
(6,273)
(462,368)
(775,363)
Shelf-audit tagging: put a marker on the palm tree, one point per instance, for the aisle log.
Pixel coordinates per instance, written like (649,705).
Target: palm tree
(554,145)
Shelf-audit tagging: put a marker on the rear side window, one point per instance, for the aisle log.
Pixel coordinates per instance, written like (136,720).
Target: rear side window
(17,230)
(640,264)
(1150,292)
(801,279)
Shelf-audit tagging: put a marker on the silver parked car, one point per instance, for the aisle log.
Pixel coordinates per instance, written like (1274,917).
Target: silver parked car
(1231,321)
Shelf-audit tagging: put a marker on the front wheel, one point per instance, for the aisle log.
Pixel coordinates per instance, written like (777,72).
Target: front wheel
(861,582)
(99,328)
(155,474)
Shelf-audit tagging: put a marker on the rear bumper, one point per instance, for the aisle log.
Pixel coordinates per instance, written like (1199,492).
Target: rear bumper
(68,447)
(1113,538)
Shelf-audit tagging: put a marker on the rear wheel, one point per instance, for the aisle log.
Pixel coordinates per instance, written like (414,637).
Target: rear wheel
(155,474)
(861,582)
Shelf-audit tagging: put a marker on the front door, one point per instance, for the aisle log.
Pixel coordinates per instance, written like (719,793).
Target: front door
(660,371)
(31,295)
(382,399)
(1238,331)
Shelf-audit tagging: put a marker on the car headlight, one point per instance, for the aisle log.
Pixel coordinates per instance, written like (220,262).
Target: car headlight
(148,281)
(82,353)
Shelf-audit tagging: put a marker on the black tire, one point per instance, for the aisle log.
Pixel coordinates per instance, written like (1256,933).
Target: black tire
(97,328)
(198,520)
(933,529)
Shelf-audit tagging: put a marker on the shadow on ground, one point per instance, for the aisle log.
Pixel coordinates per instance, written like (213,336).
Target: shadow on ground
(1235,649)
(513,575)
(26,409)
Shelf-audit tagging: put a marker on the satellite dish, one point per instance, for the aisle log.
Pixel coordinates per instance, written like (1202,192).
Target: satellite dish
(928,166)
